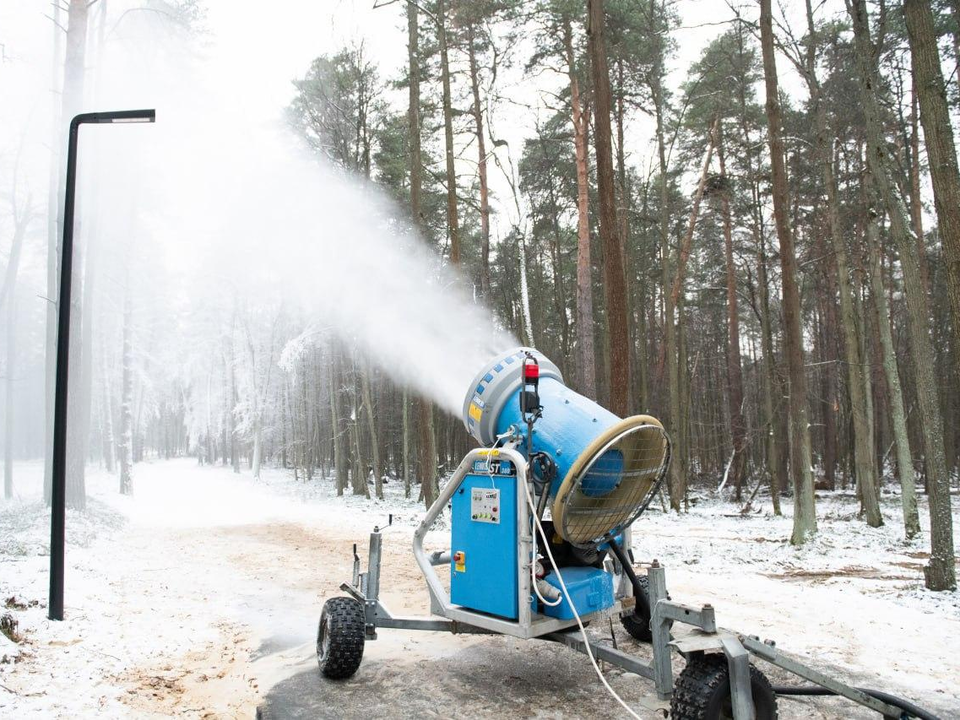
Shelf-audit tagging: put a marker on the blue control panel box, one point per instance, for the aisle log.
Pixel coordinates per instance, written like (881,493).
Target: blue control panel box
(483,569)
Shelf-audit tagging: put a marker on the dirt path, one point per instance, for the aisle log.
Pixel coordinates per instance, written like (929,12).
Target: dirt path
(291,568)
(427,674)
(205,606)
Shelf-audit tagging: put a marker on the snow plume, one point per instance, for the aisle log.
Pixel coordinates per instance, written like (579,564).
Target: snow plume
(245,217)
(344,255)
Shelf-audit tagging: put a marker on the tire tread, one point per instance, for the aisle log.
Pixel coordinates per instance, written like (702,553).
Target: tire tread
(347,628)
(704,676)
(637,624)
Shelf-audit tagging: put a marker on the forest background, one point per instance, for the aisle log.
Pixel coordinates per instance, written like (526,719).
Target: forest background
(743,219)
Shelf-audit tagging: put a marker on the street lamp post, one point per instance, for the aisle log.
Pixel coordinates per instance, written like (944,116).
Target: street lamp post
(59,466)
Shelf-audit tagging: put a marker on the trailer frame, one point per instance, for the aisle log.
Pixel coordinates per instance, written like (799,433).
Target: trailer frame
(668,617)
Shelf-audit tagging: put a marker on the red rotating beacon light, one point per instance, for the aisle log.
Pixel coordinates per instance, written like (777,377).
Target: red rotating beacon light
(531,369)
(530,392)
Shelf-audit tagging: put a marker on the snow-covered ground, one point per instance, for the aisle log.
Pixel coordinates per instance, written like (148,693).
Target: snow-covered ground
(199,595)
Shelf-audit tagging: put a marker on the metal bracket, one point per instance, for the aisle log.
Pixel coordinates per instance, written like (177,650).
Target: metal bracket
(741,691)
(660,630)
(353,592)
(704,618)
(356,567)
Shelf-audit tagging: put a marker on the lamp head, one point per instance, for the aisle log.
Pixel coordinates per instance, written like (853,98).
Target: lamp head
(117,116)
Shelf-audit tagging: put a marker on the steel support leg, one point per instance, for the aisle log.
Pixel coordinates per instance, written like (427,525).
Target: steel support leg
(372,591)
(741,691)
(660,629)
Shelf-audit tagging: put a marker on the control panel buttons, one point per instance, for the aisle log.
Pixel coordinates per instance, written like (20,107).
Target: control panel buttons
(485,505)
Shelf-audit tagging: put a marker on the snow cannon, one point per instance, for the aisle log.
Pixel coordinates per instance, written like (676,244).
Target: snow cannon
(599,470)
(539,548)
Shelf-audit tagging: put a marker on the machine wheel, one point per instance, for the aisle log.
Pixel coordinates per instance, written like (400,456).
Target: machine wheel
(340,637)
(637,623)
(702,691)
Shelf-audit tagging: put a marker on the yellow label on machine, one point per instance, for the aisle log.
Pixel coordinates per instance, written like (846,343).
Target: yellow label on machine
(476,412)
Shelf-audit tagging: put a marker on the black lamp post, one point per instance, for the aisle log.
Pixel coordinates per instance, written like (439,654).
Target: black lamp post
(59,467)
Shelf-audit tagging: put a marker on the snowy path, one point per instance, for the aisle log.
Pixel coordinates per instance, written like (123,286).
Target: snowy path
(199,596)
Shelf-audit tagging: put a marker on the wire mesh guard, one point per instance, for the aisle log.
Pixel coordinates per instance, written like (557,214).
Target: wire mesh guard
(613,482)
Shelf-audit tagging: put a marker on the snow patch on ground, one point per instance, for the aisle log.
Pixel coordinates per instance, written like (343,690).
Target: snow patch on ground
(201,590)
(716,538)
(406,511)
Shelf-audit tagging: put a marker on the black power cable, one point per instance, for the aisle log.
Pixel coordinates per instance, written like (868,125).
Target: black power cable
(909,709)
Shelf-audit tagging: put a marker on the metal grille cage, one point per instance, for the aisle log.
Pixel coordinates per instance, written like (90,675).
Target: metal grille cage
(613,482)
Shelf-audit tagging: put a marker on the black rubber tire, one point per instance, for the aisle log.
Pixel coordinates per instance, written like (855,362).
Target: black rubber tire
(340,637)
(702,691)
(637,623)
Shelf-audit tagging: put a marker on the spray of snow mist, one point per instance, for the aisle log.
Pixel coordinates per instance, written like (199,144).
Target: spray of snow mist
(244,214)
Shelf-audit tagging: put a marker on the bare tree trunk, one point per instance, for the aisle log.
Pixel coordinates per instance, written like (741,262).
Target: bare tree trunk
(623,193)
(916,204)
(21,220)
(768,377)
(804,518)
(427,466)
(83,393)
(10,370)
(358,475)
(234,449)
(427,453)
(108,439)
(901,438)
(54,223)
(857,378)
(940,573)
(481,167)
(941,152)
(371,428)
(307,444)
(453,222)
(826,354)
(734,370)
(586,357)
(405,470)
(257,448)
(677,486)
(227,409)
(618,331)
(559,286)
(73,93)
(673,328)
(339,470)
(687,244)
(126,399)
(938,139)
